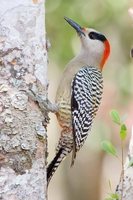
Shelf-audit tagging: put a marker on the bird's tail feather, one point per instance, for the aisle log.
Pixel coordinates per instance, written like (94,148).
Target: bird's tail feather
(52,167)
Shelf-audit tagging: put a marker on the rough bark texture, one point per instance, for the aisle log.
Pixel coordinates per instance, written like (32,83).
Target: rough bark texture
(23,65)
(128,175)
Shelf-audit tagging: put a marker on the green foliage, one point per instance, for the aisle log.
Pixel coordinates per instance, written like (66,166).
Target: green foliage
(115,117)
(123,132)
(113,196)
(118,120)
(109,148)
(130,163)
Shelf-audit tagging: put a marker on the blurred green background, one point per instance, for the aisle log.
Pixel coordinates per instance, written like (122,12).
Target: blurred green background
(88,179)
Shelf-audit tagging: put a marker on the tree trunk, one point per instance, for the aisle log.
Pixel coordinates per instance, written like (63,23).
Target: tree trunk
(23,66)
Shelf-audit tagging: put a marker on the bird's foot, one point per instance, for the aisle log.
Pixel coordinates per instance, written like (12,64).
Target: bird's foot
(43,102)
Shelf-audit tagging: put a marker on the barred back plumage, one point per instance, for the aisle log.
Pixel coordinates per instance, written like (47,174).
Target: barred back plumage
(86,93)
(87,87)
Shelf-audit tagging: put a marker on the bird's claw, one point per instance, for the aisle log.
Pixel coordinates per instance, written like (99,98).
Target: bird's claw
(42,101)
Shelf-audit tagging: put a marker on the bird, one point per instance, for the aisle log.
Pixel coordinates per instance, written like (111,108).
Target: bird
(79,93)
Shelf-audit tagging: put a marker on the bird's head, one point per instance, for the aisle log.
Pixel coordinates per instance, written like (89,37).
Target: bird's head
(95,48)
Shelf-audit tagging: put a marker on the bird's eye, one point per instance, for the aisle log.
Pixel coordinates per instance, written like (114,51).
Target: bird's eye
(92,35)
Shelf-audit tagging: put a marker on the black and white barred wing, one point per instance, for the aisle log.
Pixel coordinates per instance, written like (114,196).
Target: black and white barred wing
(86,95)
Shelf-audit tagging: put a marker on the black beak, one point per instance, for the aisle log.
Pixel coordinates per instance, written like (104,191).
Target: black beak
(76,26)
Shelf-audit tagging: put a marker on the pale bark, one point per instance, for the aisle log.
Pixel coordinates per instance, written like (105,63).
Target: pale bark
(23,65)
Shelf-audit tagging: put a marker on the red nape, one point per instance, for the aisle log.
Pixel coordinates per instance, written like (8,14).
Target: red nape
(105,54)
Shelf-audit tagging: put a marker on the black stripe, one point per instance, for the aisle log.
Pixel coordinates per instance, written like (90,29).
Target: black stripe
(97,36)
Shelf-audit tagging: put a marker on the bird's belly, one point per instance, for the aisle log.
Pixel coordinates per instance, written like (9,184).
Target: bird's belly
(64,114)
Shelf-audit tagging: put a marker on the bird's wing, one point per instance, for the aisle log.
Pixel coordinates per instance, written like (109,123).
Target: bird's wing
(85,99)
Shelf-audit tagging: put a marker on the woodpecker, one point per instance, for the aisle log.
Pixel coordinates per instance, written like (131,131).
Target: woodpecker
(79,93)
